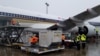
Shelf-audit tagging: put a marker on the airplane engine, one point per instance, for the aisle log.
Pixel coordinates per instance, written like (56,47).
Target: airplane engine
(88,29)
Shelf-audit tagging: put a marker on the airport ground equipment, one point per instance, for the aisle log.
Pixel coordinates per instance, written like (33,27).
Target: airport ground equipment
(10,34)
(69,39)
(48,41)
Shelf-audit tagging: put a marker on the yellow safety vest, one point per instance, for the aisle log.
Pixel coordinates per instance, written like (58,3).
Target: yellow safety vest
(78,38)
(83,37)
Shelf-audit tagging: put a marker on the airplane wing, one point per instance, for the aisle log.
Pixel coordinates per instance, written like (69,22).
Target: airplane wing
(78,19)
(37,25)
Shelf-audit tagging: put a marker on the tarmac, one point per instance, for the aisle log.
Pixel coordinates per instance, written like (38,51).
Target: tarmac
(92,49)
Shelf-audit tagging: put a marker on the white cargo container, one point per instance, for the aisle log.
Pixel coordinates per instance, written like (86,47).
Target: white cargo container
(48,41)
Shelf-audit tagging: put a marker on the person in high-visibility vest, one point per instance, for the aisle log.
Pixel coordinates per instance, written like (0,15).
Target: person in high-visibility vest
(97,33)
(83,40)
(77,41)
(33,40)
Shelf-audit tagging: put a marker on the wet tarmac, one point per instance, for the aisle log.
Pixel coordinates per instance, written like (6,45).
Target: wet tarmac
(92,49)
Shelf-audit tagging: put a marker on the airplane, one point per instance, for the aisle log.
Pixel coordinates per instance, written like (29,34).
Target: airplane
(72,24)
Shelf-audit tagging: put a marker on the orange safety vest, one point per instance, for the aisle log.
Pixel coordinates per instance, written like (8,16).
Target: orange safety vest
(63,37)
(33,39)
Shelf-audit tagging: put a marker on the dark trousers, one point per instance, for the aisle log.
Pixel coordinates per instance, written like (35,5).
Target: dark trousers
(83,45)
(63,42)
(78,45)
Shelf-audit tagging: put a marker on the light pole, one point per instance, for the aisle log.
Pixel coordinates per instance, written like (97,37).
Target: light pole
(47,5)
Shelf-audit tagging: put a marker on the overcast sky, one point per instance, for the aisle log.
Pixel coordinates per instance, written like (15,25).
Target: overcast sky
(60,8)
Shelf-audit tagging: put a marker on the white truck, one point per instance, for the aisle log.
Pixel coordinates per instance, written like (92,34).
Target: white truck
(48,41)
